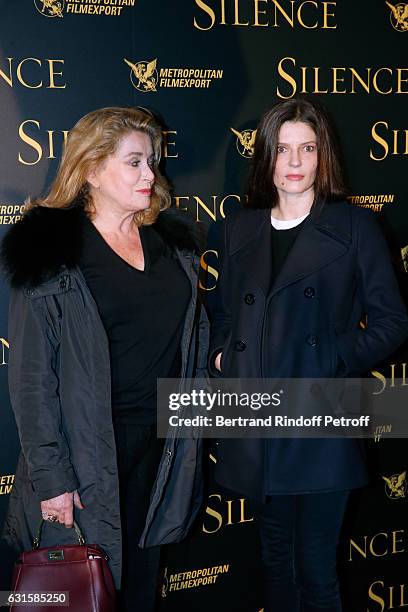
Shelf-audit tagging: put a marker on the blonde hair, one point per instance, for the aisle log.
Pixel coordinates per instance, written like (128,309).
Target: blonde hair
(91,141)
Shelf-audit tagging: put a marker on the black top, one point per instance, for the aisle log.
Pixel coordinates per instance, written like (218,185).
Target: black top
(282,242)
(143,315)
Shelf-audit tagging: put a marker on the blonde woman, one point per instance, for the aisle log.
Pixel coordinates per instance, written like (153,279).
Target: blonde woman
(103,303)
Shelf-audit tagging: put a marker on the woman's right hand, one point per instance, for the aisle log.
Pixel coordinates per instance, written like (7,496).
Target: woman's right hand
(62,507)
(217,362)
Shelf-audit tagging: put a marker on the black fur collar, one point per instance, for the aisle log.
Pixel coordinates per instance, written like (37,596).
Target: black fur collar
(46,239)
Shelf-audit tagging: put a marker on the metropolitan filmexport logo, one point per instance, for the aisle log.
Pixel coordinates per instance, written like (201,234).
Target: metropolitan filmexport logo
(6,484)
(146,76)
(398,16)
(143,75)
(245,142)
(50,8)
(200,577)
(396,486)
(106,8)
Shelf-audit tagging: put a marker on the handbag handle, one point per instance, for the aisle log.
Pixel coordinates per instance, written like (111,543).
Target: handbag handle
(37,538)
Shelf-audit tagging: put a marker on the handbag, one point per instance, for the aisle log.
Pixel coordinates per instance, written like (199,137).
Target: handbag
(81,570)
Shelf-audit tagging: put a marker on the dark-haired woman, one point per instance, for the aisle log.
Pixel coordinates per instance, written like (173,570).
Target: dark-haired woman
(300,268)
(103,302)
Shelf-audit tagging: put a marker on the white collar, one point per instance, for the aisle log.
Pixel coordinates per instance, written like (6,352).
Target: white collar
(287,224)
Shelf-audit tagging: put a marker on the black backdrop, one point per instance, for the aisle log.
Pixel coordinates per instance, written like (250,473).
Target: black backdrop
(209,68)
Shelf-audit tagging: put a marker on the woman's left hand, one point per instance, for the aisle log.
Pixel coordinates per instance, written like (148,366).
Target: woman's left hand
(61,508)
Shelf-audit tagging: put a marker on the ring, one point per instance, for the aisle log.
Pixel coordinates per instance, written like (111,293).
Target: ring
(49,517)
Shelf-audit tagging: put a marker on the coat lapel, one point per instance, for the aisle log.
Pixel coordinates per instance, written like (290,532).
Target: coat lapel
(323,238)
(318,244)
(252,238)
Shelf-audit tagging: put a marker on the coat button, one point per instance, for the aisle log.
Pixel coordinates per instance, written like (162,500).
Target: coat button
(63,283)
(311,340)
(309,292)
(249,299)
(240,346)
(30,291)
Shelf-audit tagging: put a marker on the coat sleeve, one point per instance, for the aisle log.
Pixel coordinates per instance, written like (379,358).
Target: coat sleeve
(203,342)
(34,395)
(220,314)
(387,321)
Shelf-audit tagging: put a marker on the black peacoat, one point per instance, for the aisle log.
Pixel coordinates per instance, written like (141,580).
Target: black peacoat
(305,325)
(59,379)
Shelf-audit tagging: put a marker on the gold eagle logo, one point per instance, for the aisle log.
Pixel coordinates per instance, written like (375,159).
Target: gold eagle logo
(404,255)
(165,585)
(50,8)
(399,16)
(396,486)
(245,142)
(143,75)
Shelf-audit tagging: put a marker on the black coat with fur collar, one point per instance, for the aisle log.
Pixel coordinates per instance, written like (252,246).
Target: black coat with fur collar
(47,240)
(59,381)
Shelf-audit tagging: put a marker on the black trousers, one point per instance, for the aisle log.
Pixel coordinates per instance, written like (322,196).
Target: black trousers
(299,538)
(138,454)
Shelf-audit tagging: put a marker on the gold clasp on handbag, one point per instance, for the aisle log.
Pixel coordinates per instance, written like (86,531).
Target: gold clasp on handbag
(55,555)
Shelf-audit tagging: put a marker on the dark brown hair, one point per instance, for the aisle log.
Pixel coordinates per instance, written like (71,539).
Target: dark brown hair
(329,182)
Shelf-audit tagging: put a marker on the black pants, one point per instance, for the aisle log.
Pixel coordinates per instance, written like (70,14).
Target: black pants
(299,538)
(138,452)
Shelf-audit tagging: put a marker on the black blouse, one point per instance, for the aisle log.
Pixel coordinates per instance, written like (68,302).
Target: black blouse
(143,315)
